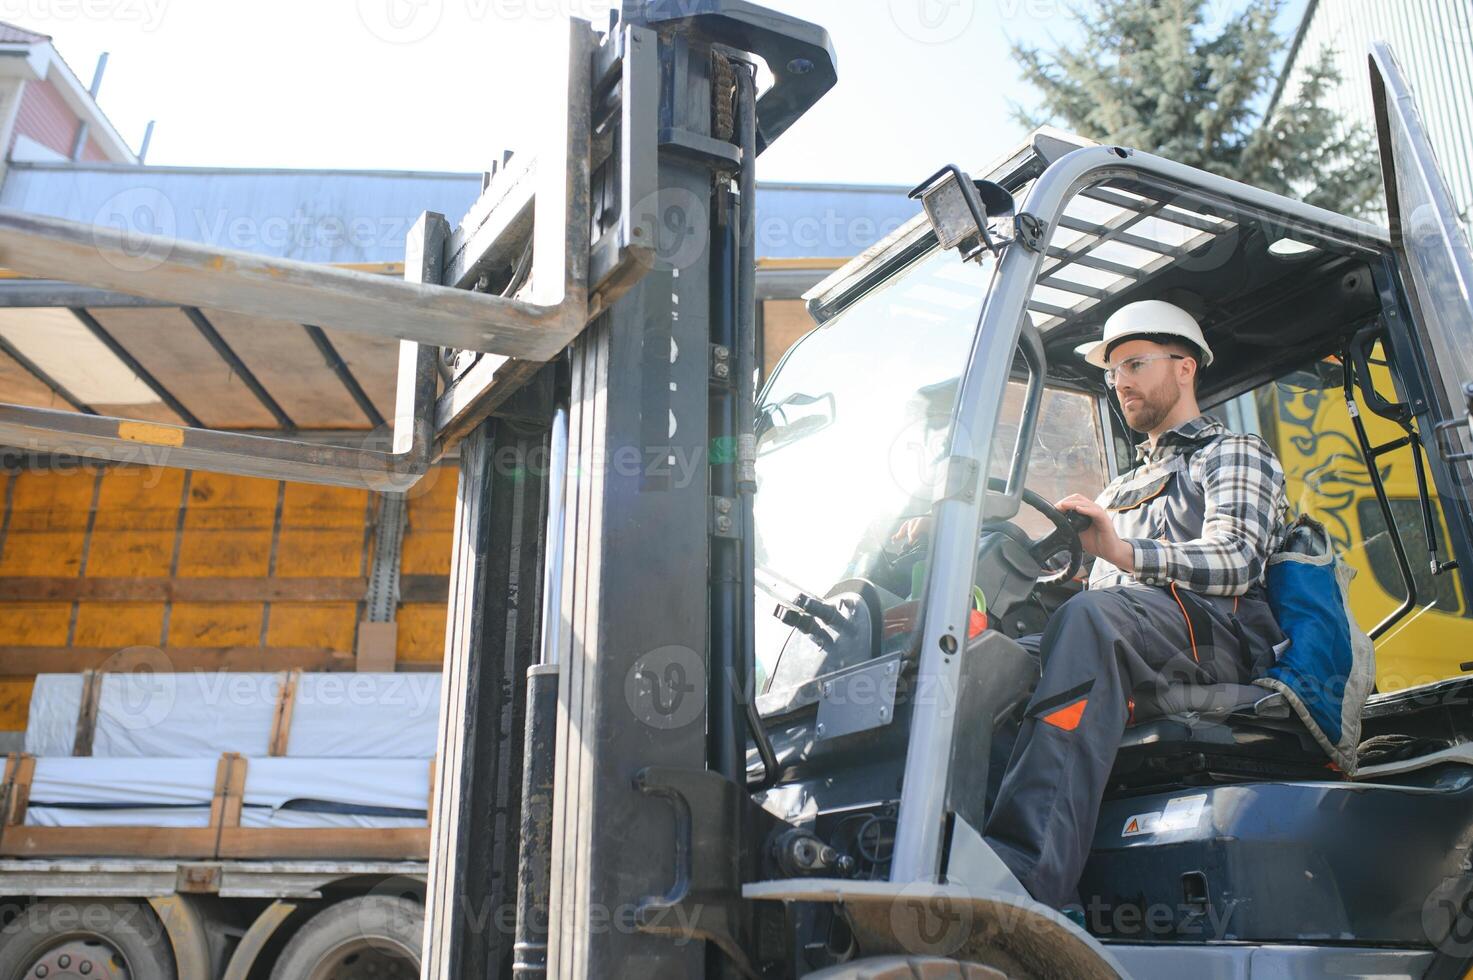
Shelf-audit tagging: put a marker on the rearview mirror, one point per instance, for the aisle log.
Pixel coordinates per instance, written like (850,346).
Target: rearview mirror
(796,416)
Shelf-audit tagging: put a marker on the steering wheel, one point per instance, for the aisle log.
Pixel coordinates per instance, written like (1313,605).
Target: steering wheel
(1067,525)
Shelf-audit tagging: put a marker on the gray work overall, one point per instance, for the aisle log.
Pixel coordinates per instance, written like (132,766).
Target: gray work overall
(1107,656)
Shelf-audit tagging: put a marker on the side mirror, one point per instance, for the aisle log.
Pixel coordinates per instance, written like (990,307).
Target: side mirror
(796,416)
(960,208)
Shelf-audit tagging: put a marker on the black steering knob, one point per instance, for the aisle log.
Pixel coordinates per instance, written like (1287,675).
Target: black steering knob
(1079,522)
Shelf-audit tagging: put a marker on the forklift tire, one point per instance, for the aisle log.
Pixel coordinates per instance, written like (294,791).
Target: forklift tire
(114,939)
(907,968)
(375,936)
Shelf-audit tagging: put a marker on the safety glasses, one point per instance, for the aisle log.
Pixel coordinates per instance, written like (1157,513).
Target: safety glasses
(1131,367)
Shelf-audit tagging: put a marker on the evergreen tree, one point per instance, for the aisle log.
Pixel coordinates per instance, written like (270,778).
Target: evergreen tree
(1154,74)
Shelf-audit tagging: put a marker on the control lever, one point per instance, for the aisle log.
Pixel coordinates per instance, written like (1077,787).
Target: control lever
(1079,522)
(789,616)
(819,609)
(806,611)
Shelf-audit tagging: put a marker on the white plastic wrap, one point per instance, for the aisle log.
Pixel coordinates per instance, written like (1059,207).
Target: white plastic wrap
(358,749)
(56,700)
(279,792)
(300,819)
(90,792)
(374,716)
(402,784)
(46,816)
(286,792)
(204,713)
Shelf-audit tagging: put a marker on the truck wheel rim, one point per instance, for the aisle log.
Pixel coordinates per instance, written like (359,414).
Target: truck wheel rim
(368,958)
(79,959)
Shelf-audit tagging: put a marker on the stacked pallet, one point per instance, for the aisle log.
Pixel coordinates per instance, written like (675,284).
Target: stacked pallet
(224,765)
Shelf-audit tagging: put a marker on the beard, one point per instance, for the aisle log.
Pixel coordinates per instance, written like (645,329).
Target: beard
(1154,406)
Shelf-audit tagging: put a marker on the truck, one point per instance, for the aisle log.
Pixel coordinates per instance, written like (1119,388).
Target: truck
(699,718)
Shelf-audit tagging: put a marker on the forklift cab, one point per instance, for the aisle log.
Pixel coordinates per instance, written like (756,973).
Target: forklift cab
(943,388)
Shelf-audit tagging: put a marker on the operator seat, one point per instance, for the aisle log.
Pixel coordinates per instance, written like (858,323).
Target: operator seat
(1213,733)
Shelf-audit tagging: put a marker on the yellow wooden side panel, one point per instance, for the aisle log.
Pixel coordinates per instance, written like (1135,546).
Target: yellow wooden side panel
(228,523)
(421,633)
(323,533)
(137,522)
(15,702)
(48,523)
(426,550)
(428,532)
(133,536)
(35,624)
(159,523)
(313,624)
(119,624)
(46,535)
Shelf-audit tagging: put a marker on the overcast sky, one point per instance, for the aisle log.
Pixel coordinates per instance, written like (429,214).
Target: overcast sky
(448,84)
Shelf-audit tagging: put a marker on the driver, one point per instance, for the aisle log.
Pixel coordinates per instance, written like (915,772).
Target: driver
(1175,596)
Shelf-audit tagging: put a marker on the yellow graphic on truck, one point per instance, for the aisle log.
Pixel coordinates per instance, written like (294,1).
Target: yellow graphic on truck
(1325,471)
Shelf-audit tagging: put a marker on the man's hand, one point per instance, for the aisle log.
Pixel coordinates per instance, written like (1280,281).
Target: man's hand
(1100,539)
(912,531)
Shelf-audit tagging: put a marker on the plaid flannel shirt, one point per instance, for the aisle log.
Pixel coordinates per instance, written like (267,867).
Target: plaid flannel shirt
(1246,513)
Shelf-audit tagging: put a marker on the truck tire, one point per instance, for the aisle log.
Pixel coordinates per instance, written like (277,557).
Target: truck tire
(106,940)
(376,936)
(907,968)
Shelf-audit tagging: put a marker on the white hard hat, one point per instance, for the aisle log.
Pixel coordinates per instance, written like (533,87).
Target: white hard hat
(1147,316)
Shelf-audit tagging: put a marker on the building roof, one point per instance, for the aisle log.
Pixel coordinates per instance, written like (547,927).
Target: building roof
(41,61)
(11,34)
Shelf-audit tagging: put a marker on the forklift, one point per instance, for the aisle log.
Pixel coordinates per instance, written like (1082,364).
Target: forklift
(702,717)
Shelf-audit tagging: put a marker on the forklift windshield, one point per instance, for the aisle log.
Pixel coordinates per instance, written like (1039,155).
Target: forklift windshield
(850,435)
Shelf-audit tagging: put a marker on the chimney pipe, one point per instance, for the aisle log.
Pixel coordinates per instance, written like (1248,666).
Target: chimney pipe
(80,143)
(97,74)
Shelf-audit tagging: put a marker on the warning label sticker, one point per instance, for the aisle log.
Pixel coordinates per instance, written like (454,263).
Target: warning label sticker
(1141,823)
(1181,813)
